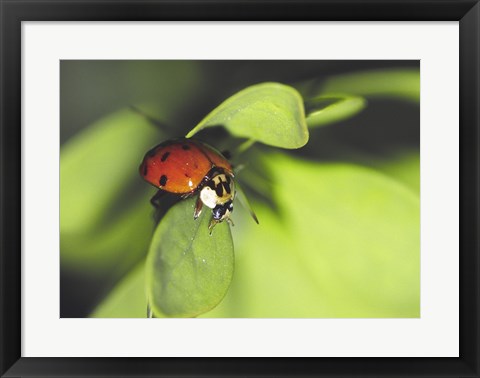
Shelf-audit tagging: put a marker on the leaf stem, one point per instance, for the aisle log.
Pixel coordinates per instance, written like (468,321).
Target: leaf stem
(245,146)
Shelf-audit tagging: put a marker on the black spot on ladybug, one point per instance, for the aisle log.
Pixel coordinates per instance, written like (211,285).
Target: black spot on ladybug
(163,180)
(165,156)
(187,175)
(144,169)
(152,152)
(185,147)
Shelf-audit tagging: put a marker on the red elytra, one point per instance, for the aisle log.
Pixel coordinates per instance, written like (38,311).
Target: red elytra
(180,165)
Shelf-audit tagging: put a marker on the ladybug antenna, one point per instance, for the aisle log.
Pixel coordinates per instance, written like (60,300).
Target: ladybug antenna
(244,201)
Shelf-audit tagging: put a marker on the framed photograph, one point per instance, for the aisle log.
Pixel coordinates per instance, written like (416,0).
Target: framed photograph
(184,184)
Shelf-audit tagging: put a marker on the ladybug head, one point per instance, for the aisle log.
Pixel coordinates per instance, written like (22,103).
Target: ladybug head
(222,212)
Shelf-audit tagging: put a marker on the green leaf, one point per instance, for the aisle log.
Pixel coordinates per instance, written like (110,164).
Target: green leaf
(188,270)
(405,168)
(326,109)
(270,113)
(112,249)
(105,216)
(395,83)
(91,89)
(127,299)
(344,241)
(97,164)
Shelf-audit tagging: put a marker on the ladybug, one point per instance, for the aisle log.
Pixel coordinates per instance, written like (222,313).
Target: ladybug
(187,167)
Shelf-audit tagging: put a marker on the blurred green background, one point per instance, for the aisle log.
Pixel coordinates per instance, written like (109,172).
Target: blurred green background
(339,232)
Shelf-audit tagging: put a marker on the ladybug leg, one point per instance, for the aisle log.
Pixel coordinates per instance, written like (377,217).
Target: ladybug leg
(155,200)
(198,208)
(213,223)
(185,196)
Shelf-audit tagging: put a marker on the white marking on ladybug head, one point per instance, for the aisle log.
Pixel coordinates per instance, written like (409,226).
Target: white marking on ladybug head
(218,191)
(209,197)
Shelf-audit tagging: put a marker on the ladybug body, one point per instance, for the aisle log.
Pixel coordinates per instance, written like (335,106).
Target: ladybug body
(186,167)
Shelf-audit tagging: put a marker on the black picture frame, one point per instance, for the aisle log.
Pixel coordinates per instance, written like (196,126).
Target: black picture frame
(13,12)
